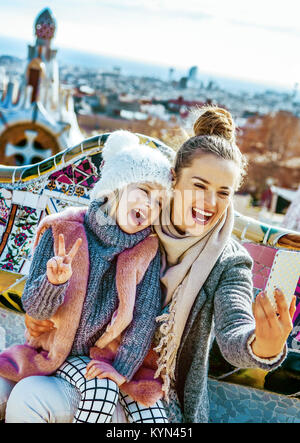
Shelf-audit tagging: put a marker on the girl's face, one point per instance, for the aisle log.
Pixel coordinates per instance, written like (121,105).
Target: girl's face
(138,208)
(202,193)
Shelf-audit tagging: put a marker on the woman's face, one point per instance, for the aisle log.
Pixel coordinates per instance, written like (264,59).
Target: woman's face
(138,208)
(202,193)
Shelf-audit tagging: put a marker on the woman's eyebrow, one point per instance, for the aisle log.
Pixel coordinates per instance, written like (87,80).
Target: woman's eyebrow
(208,183)
(202,179)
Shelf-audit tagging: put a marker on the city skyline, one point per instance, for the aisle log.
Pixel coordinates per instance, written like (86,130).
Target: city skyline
(257,41)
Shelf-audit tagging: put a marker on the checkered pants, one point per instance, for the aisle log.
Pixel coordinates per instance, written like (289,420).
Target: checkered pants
(99,398)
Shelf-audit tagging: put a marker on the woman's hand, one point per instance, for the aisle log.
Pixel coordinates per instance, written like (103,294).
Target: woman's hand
(100,369)
(59,268)
(272,328)
(38,327)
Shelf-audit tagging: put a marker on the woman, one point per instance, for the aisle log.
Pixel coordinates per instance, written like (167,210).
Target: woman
(207,275)
(208,286)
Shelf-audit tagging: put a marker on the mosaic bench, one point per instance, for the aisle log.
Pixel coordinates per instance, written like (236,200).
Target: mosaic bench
(29,193)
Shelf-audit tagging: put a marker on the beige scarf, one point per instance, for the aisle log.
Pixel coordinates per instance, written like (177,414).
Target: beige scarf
(187,263)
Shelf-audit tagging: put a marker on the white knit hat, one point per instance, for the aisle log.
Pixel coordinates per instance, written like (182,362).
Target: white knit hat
(127,161)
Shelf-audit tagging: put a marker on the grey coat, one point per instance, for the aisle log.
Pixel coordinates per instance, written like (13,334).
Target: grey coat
(224,308)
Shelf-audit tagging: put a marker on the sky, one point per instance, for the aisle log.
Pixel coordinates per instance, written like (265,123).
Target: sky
(256,40)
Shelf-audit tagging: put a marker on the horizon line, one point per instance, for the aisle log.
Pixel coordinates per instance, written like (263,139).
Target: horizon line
(158,64)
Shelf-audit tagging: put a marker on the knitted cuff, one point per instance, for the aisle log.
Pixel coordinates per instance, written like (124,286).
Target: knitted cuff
(126,368)
(267,361)
(45,298)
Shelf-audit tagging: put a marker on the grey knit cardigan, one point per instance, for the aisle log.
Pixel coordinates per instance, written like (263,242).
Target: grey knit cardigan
(106,240)
(222,309)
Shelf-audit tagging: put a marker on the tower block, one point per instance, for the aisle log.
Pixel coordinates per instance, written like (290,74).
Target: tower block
(41,121)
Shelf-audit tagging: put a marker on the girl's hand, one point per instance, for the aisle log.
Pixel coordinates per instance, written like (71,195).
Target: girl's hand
(272,329)
(38,327)
(118,323)
(100,369)
(59,268)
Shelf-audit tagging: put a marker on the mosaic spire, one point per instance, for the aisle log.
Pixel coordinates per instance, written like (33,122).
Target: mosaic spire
(45,25)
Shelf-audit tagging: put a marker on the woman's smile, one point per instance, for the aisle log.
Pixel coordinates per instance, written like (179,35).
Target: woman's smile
(201,217)
(202,193)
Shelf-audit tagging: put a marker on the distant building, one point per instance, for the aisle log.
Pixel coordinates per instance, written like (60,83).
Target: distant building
(192,80)
(37,117)
(171,74)
(183,83)
(193,72)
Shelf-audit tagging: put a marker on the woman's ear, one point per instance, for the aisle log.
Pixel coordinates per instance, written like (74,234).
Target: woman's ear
(173,176)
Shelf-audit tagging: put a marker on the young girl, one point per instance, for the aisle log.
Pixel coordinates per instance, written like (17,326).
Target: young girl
(104,294)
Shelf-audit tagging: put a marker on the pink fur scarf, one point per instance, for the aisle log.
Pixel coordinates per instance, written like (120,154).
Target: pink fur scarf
(45,354)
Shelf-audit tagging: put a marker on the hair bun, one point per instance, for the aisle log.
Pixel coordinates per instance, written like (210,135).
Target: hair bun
(215,121)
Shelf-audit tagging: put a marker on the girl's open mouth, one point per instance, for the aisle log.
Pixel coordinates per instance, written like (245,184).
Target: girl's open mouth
(200,216)
(137,216)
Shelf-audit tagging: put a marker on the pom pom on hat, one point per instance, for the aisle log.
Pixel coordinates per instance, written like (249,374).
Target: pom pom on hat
(117,142)
(126,160)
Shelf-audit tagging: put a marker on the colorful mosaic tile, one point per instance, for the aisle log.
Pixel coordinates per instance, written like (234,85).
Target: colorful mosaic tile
(55,205)
(73,182)
(12,329)
(17,249)
(263,257)
(5,204)
(35,186)
(67,192)
(294,338)
(83,173)
(232,403)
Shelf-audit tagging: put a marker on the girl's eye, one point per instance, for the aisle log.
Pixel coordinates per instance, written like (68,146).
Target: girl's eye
(224,194)
(144,190)
(199,186)
(155,201)
(158,203)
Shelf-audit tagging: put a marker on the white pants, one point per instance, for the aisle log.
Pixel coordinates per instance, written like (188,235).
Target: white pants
(38,399)
(6,387)
(44,399)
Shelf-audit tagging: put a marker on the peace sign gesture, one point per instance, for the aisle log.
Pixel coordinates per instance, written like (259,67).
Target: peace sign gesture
(59,268)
